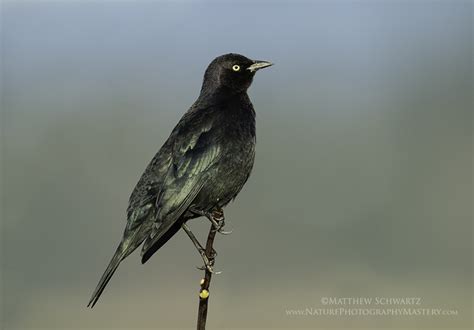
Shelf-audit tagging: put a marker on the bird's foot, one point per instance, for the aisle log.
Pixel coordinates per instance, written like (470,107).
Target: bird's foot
(218,220)
(208,261)
(216,217)
(213,254)
(210,269)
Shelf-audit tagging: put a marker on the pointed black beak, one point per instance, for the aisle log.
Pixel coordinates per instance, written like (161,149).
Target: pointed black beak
(257,65)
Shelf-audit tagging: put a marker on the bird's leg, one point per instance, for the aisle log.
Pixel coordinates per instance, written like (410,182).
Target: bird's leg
(208,260)
(216,217)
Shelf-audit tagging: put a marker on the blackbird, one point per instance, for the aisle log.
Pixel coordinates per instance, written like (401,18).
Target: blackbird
(200,168)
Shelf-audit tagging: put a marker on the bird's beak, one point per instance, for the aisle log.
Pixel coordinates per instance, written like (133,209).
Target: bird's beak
(257,65)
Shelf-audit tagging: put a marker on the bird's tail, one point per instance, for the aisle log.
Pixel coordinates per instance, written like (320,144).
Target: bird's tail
(111,268)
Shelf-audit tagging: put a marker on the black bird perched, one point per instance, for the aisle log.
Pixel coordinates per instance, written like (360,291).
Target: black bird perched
(200,168)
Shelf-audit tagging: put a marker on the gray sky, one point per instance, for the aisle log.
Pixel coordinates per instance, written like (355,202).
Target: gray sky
(362,185)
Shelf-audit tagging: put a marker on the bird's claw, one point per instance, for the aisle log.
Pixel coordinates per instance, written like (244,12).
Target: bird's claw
(218,215)
(218,220)
(209,269)
(213,254)
(223,232)
(209,261)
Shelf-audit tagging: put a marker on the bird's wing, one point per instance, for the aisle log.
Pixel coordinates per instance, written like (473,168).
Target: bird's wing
(194,152)
(141,208)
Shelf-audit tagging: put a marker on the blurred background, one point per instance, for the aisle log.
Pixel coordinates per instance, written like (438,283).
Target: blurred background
(362,185)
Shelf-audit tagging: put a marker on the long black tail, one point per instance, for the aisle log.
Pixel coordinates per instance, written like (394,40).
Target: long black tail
(111,268)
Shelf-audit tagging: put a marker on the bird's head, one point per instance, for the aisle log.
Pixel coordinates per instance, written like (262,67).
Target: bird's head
(231,73)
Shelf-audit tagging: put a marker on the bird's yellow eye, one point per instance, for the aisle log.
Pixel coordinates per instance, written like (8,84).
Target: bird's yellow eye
(236,67)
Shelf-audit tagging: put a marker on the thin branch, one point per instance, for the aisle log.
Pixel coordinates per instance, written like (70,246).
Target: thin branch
(206,281)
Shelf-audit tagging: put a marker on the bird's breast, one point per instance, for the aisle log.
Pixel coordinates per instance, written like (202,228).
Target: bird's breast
(236,139)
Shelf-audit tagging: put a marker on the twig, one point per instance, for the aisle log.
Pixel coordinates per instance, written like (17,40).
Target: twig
(205,282)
